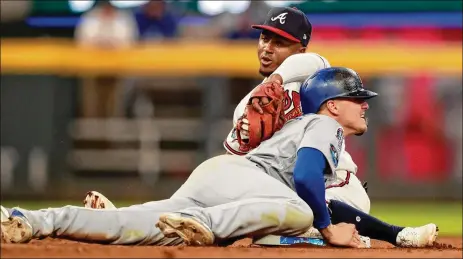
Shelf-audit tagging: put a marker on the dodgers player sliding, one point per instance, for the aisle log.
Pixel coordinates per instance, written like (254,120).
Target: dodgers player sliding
(269,191)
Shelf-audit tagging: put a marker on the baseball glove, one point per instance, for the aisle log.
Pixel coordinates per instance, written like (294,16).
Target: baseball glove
(262,126)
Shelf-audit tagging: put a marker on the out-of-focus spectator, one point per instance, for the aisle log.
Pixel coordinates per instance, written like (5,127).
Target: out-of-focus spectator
(13,11)
(243,29)
(105,27)
(427,151)
(156,21)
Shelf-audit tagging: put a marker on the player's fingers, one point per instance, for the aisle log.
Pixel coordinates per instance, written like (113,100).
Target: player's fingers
(244,133)
(356,243)
(245,126)
(256,105)
(360,244)
(264,100)
(245,121)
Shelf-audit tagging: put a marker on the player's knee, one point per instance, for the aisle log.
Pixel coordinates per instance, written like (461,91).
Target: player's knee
(298,215)
(364,204)
(360,201)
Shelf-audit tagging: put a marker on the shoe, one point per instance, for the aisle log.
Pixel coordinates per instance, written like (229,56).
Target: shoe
(423,236)
(5,215)
(189,228)
(96,200)
(16,229)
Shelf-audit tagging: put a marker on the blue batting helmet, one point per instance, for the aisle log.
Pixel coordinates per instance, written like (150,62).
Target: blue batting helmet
(331,83)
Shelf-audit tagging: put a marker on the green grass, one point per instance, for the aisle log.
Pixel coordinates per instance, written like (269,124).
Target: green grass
(447,215)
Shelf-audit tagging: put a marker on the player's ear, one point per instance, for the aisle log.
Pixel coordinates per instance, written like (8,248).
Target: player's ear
(302,49)
(332,106)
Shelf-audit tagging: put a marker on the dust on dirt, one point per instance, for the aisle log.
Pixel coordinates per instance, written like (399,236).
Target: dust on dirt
(447,247)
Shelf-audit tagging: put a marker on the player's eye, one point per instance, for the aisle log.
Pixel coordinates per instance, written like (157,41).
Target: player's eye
(264,37)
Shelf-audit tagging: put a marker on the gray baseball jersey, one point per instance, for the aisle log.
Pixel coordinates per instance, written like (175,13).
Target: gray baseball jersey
(277,155)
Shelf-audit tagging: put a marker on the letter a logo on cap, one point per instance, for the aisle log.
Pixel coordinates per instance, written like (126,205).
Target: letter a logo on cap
(281,17)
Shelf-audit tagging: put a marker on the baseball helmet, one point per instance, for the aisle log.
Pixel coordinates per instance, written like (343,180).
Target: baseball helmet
(331,83)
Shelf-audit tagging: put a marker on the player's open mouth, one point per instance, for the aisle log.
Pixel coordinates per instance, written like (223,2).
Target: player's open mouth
(364,118)
(265,61)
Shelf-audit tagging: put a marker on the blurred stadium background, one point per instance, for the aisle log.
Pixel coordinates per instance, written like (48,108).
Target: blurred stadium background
(127,97)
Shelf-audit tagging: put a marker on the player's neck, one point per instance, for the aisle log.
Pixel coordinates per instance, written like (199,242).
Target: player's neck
(347,131)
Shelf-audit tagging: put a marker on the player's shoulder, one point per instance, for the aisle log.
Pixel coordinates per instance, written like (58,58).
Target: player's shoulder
(314,121)
(318,58)
(318,118)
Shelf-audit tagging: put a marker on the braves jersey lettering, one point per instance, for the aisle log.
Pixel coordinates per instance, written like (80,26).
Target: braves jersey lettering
(292,105)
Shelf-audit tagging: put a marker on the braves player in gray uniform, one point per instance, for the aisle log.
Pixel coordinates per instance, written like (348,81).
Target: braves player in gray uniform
(278,188)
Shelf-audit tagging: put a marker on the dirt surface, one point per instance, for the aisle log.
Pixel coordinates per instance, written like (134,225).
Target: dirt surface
(448,247)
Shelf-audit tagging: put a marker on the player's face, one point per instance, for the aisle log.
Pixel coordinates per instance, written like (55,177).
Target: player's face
(352,115)
(273,50)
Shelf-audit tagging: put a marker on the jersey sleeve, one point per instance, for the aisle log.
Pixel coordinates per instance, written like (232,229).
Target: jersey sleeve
(296,68)
(327,136)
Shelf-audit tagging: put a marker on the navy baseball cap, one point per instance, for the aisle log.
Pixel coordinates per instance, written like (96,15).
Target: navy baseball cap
(289,23)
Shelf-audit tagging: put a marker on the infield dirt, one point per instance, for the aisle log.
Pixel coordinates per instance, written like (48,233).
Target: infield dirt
(448,247)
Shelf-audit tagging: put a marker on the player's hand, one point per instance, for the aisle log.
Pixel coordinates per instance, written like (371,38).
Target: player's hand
(342,234)
(258,102)
(244,124)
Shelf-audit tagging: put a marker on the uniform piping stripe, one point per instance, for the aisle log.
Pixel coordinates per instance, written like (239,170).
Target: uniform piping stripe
(341,184)
(231,150)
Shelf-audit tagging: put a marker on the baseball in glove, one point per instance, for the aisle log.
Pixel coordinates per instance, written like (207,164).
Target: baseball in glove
(261,127)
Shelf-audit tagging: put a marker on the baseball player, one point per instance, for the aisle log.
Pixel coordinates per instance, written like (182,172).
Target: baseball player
(278,188)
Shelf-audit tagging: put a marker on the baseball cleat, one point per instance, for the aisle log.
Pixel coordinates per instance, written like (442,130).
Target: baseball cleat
(96,200)
(190,229)
(16,229)
(5,215)
(423,236)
